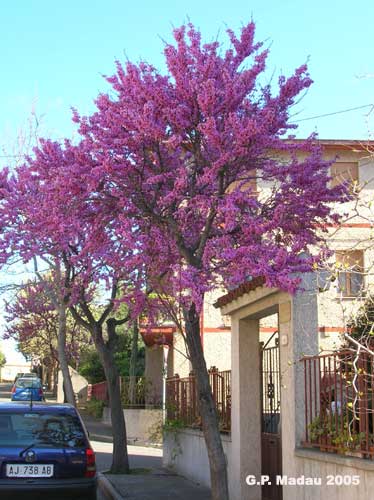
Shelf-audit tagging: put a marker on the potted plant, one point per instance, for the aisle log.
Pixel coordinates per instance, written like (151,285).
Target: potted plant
(315,430)
(370,455)
(349,443)
(321,431)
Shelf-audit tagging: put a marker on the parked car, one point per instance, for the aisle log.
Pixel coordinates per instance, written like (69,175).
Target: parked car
(24,375)
(45,448)
(19,375)
(26,389)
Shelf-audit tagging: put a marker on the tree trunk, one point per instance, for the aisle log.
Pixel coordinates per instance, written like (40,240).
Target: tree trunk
(55,380)
(120,459)
(133,360)
(64,366)
(217,459)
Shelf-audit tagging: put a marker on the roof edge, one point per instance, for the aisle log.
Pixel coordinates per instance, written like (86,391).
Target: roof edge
(242,289)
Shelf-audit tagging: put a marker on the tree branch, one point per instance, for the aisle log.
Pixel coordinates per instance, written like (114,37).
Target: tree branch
(78,318)
(110,306)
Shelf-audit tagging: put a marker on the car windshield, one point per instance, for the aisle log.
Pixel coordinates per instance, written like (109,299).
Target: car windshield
(41,429)
(28,382)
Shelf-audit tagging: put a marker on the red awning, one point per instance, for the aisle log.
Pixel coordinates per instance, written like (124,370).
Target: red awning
(158,335)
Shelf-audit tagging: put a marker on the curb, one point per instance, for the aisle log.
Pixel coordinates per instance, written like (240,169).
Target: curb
(107,488)
(100,437)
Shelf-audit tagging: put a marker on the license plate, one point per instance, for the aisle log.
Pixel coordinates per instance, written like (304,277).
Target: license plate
(23,470)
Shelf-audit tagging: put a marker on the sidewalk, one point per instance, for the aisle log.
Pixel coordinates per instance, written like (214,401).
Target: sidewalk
(97,430)
(148,480)
(156,485)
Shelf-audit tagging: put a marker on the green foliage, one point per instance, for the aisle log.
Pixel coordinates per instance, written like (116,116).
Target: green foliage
(122,359)
(2,359)
(91,368)
(322,430)
(143,391)
(362,325)
(316,429)
(95,407)
(174,425)
(348,441)
(171,427)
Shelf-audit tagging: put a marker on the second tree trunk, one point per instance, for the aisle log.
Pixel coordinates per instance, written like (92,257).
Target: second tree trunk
(210,423)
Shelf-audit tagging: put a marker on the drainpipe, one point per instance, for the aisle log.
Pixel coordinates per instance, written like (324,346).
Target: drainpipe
(202,327)
(165,352)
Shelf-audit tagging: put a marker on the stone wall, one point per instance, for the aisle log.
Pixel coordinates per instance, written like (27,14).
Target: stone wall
(143,426)
(80,385)
(332,468)
(185,453)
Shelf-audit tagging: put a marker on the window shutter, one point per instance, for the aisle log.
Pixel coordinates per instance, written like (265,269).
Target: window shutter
(351,272)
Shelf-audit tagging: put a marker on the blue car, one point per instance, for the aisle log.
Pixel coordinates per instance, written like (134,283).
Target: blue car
(26,389)
(44,448)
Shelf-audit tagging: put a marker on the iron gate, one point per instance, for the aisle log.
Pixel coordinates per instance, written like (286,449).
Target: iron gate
(271,445)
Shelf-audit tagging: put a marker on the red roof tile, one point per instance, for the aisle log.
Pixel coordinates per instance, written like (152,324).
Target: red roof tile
(249,286)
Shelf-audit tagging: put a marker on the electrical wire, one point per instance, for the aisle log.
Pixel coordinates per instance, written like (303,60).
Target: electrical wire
(294,121)
(335,113)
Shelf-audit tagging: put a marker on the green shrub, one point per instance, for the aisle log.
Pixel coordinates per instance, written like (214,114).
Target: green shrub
(95,407)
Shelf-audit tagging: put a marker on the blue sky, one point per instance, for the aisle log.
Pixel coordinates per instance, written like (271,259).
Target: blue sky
(53,54)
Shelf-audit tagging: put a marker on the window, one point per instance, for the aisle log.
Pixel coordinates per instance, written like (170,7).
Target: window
(342,172)
(28,383)
(350,267)
(42,429)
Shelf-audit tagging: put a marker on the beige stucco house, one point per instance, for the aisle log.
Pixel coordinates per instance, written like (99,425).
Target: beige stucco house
(353,245)
(237,326)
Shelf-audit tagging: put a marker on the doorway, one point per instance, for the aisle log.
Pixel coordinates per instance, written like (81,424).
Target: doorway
(271,442)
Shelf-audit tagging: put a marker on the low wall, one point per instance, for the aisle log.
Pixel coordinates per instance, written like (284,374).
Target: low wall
(185,453)
(340,471)
(143,426)
(80,385)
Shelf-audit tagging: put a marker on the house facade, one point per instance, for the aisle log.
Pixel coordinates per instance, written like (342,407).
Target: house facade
(9,371)
(341,285)
(260,335)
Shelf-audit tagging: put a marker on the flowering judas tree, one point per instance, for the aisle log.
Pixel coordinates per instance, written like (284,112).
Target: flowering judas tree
(32,321)
(27,235)
(48,216)
(2,359)
(182,156)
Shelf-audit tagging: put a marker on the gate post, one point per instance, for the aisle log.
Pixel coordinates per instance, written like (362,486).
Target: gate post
(298,334)
(245,409)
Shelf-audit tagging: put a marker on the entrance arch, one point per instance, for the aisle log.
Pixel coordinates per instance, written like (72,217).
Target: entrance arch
(298,336)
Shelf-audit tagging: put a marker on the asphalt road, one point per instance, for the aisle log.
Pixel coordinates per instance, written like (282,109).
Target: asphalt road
(103,450)
(5,392)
